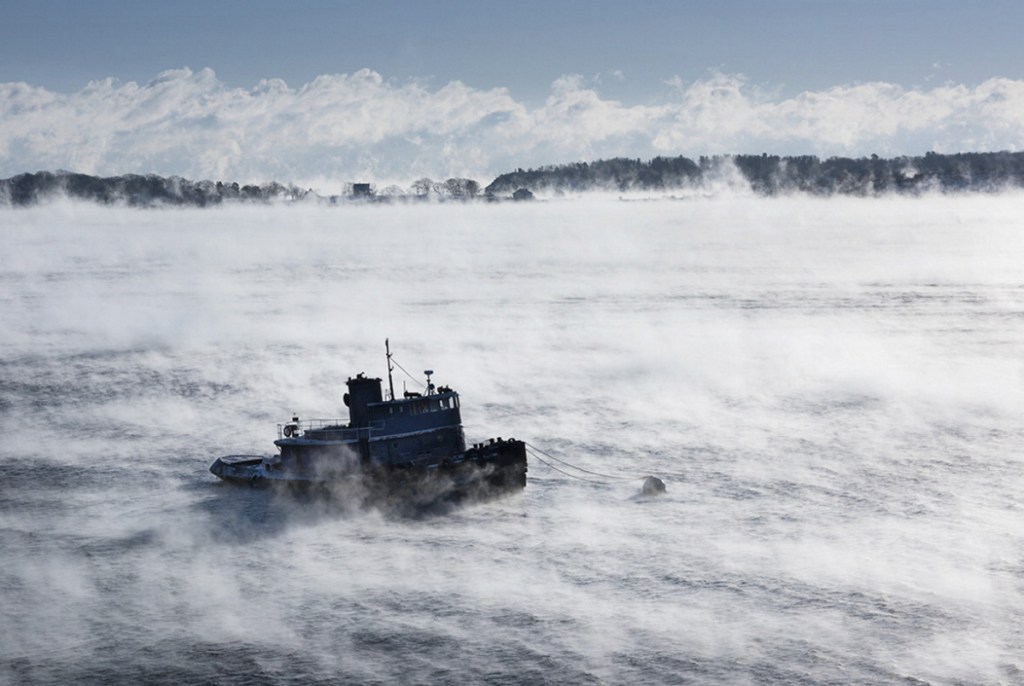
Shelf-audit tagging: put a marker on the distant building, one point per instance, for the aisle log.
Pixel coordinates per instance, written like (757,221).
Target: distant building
(362,190)
(522,194)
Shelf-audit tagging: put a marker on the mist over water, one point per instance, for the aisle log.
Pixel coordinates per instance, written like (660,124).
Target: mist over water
(831,390)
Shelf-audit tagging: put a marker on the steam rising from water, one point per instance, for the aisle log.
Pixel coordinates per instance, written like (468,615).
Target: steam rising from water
(830,389)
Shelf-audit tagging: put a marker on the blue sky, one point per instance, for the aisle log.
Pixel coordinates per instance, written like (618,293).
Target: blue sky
(621,61)
(523,45)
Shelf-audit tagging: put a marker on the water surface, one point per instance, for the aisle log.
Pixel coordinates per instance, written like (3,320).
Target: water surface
(832,391)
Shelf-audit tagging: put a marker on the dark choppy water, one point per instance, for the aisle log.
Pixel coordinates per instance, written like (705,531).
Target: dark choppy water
(832,391)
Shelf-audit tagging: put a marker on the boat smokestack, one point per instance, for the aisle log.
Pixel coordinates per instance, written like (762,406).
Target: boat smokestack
(361,392)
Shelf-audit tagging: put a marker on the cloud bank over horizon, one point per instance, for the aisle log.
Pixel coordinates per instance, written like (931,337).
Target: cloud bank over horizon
(362,126)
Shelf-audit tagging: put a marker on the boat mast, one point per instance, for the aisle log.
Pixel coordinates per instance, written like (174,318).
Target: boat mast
(391,383)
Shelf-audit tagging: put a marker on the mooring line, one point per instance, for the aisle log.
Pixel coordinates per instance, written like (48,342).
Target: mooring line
(535,450)
(562,471)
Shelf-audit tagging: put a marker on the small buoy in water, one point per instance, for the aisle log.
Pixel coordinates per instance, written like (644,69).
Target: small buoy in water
(653,486)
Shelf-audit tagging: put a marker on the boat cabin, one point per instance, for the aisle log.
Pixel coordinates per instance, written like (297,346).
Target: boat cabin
(417,428)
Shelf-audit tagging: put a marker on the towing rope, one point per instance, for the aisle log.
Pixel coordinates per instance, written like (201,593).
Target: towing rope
(537,452)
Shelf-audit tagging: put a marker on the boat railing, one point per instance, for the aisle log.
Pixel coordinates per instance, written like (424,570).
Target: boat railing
(328,429)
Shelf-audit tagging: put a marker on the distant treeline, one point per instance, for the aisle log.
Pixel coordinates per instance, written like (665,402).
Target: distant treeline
(772,174)
(764,174)
(136,190)
(152,190)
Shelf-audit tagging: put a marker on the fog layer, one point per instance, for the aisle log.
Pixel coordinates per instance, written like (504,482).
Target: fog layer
(831,390)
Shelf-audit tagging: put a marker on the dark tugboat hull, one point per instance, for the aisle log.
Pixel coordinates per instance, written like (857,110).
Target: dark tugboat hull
(484,471)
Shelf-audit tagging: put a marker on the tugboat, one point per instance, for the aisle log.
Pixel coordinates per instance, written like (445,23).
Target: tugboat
(408,446)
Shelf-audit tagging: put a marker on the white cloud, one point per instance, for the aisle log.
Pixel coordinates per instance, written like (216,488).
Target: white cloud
(354,126)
